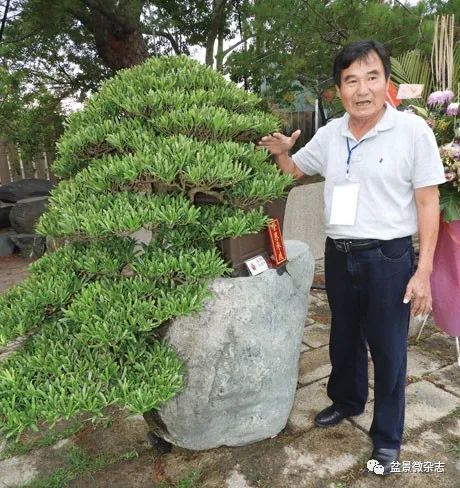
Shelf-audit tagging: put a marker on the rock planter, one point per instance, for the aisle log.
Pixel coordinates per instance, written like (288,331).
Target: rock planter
(241,359)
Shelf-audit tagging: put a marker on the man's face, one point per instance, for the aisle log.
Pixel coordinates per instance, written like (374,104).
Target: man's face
(363,88)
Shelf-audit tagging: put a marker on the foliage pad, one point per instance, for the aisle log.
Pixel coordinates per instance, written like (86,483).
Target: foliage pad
(143,153)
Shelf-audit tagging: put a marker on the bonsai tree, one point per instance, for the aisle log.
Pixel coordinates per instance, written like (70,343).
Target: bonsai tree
(154,142)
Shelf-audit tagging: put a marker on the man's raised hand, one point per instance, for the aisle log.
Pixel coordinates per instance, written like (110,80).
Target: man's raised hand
(279,144)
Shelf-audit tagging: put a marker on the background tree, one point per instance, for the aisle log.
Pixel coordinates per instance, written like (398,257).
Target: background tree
(294,47)
(66,48)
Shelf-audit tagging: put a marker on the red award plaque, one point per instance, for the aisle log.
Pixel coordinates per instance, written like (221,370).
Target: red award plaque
(278,252)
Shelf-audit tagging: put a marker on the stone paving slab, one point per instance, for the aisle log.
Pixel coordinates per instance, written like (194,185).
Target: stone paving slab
(427,403)
(420,363)
(447,378)
(316,335)
(314,365)
(309,400)
(424,403)
(309,321)
(317,298)
(19,470)
(440,345)
(322,454)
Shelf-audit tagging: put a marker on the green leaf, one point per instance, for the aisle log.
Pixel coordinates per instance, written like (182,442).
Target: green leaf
(449,203)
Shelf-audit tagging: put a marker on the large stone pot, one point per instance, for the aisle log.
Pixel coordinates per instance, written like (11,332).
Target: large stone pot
(241,358)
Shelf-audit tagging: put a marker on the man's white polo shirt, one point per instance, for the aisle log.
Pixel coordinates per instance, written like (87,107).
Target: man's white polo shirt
(396,157)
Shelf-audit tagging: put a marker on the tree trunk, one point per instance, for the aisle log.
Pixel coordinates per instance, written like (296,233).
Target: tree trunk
(220,47)
(120,48)
(120,52)
(4,170)
(217,16)
(117,32)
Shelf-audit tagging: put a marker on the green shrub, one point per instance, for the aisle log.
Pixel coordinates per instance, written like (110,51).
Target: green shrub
(153,141)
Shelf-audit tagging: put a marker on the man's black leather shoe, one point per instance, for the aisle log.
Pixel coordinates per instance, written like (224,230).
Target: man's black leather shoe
(385,457)
(328,417)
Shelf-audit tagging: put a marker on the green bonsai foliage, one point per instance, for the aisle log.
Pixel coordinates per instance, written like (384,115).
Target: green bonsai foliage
(148,148)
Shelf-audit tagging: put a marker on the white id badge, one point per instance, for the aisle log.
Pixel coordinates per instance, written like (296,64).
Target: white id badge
(344,204)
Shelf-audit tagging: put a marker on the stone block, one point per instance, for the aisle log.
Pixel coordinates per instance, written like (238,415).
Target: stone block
(6,244)
(25,214)
(5,209)
(26,188)
(31,246)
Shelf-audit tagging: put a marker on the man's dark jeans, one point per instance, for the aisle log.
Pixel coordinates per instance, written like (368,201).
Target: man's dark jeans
(365,290)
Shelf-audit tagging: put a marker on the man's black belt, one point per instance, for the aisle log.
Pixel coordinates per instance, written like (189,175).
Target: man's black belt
(349,245)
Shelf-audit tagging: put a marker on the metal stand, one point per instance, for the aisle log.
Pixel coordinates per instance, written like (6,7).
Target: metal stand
(458,350)
(421,328)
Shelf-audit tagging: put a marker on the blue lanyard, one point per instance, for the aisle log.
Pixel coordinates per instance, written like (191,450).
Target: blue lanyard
(349,156)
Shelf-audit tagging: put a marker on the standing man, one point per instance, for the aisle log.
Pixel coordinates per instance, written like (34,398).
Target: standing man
(381,170)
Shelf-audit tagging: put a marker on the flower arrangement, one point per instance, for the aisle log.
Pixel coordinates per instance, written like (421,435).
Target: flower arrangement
(441,108)
(442,113)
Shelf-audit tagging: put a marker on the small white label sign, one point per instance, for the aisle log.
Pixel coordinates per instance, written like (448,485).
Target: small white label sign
(344,204)
(256,265)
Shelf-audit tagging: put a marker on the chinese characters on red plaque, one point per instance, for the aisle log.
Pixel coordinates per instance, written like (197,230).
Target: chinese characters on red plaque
(278,251)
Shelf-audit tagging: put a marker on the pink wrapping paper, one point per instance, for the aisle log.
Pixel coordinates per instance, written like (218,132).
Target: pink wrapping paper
(445,279)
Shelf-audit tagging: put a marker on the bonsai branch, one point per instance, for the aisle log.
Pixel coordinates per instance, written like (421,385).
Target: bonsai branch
(206,191)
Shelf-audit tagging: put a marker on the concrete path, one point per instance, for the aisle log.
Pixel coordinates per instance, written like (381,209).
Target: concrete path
(115,453)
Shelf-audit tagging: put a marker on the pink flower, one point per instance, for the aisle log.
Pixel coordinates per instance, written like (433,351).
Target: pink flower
(453,109)
(440,97)
(449,176)
(431,123)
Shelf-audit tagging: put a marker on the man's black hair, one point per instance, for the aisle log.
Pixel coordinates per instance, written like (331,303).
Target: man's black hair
(360,50)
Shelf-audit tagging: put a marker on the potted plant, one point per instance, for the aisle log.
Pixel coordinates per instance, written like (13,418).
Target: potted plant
(154,140)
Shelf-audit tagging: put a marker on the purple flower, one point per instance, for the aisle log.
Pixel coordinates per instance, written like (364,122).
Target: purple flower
(440,97)
(453,109)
